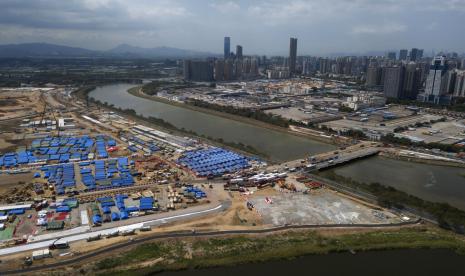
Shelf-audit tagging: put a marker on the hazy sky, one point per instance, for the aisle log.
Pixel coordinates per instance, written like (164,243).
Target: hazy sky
(261,27)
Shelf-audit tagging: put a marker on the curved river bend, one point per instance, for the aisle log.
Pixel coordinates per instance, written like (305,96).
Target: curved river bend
(277,145)
(430,182)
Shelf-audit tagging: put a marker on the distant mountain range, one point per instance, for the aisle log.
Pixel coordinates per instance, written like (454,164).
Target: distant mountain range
(46,50)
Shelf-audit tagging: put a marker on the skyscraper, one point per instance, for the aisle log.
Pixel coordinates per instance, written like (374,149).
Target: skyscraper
(414,54)
(420,54)
(374,75)
(227,47)
(437,71)
(198,70)
(403,54)
(391,55)
(292,55)
(439,83)
(239,51)
(412,81)
(448,83)
(187,69)
(393,82)
(219,70)
(324,65)
(229,70)
(459,89)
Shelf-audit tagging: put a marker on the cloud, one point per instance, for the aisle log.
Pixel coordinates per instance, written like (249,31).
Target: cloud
(432,26)
(378,29)
(225,7)
(90,14)
(261,26)
(280,12)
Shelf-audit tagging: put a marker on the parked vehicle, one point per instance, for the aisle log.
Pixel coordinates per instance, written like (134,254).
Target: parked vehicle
(59,245)
(146,228)
(94,238)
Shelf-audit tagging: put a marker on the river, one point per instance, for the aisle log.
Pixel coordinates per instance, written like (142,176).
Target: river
(279,146)
(430,182)
(379,263)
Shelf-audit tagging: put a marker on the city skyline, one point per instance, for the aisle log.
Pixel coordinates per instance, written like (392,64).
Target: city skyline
(262,27)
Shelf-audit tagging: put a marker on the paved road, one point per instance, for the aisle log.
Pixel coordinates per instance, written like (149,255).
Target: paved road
(343,156)
(191,234)
(83,236)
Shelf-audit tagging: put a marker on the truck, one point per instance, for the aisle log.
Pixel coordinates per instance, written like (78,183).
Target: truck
(94,238)
(112,234)
(41,254)
(145,228)
(128,232)
(236,180)
(311,166)
(59,244)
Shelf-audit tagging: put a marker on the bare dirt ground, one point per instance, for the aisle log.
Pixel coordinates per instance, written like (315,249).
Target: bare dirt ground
(10,181)
(16,104)
(4,144)
(321,207)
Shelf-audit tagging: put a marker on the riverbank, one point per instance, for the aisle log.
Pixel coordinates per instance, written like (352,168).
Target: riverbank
(293,130)
(445,215)
(167,127)
(176,254)
(137,91)
(422,160)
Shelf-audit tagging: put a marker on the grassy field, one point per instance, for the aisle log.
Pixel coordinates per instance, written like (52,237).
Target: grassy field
(224,251)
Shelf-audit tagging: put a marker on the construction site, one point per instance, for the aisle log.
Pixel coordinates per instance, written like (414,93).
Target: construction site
(73,173)
(61,170)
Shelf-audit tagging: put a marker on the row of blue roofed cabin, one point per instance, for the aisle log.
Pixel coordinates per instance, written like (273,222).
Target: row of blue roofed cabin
(146,203)
(9,160)
(124,215)
(16,211)
(120,201)
(106,209)
(101,148)
(115,216)
(102,174)
(62,149)
(213,161)
(13,159)
(96,219)
(62,176)
(107,202)
(196,192)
